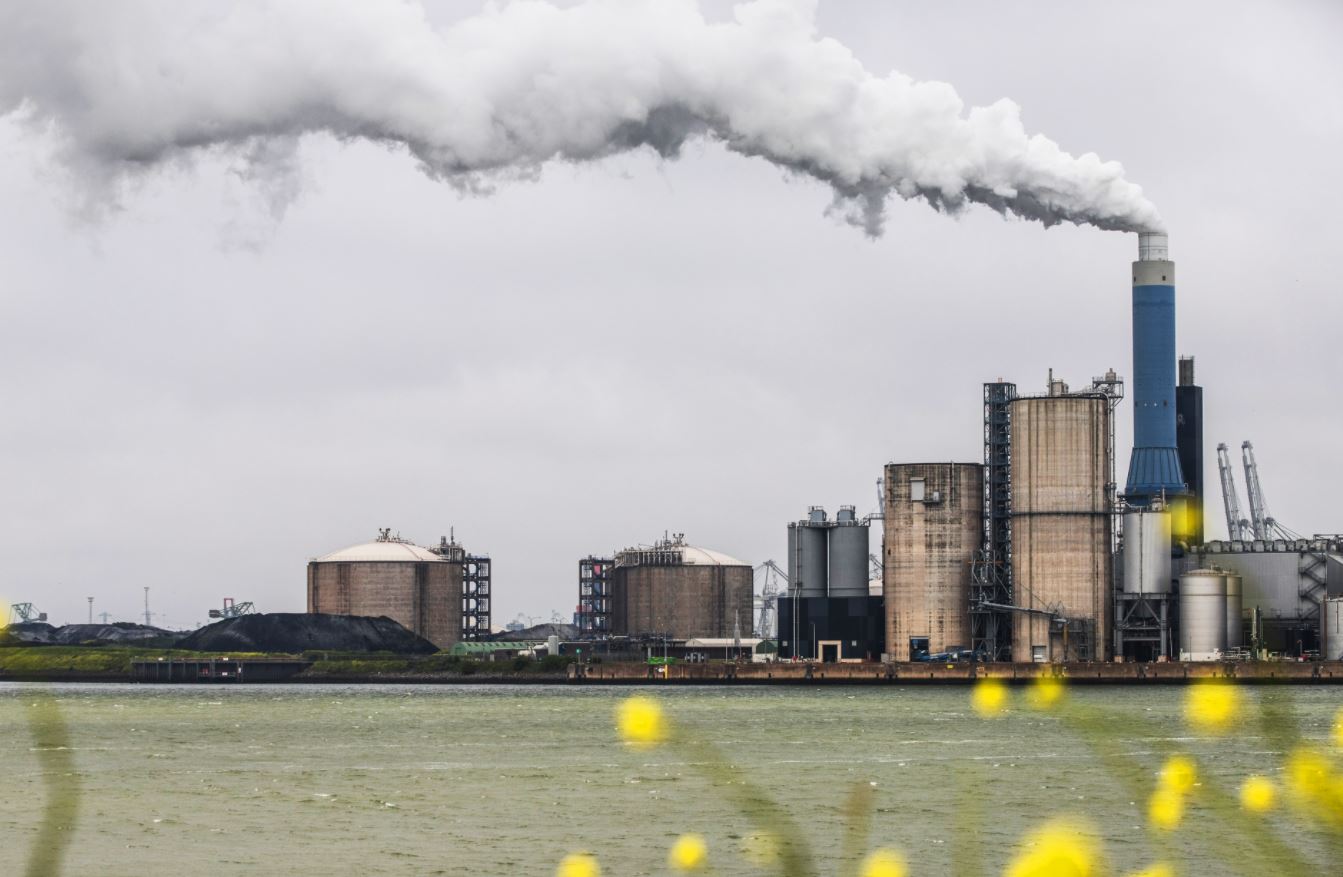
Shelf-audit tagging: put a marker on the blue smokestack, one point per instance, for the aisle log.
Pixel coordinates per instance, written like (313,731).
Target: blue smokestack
(1155,465)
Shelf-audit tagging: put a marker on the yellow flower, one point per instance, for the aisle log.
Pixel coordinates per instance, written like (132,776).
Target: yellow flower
(884,862)
(1057,849)
(1165,809)
(1212,706)
(1258,794)
(689,853)
(1046,692)
(639,720)
(1308,772)
(1178,774)
(1160,869)
(989,698)
(578,865)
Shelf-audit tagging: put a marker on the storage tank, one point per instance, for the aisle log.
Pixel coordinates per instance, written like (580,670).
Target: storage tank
(847,555)
(1147,536)
(679,590)
(807,554)
(1235,616)
(414,586)
(1202,615)
(1061,527)
(934,516)
(1331,629)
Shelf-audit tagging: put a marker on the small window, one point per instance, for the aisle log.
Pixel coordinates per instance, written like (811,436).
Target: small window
(916,490)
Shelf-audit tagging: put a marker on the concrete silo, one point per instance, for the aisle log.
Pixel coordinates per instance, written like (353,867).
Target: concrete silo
(934,525)
(1061,526)
(414,586)
(680,591)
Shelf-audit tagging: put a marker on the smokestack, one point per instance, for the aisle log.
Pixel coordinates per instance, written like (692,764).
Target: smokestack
(1154,468)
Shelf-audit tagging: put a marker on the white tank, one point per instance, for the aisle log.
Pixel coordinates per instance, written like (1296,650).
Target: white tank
(1202,615)
(1331,629)
(1147,552)
(1235,620)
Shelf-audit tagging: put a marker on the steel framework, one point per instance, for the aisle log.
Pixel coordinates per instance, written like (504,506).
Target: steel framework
(594,596)
(991,570)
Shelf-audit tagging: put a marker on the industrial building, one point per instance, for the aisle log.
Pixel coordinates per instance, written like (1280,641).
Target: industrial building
(933,515)
(675,590)
(829,613)
(442,594)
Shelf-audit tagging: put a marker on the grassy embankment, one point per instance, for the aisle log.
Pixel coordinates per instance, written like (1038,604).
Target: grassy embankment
(113,662)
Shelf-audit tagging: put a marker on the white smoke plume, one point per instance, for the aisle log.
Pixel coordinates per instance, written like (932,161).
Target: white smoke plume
(128,86)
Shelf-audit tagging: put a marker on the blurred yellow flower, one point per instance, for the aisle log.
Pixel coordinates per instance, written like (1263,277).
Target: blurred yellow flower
(1308,772)
(1178,774)
(1160,869)
(578,865)
(1258,794)
(1046,692)
(884,862)
(1165,809)
(639,720)
(1212,706)
(989,697)
(1057,849)
(689,853)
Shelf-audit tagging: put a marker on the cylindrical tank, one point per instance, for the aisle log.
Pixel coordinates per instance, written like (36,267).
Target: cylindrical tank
(934,515)
(847,555)
(1235,620)
(1061,527)
(680,590)
(1147,552)
(813,550)
(1331,629)
(1202,615)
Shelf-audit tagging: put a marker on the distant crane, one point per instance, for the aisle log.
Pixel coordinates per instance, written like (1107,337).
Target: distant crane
(1237,528)
(233,610)
(22,613)
(105,616)
(877,566)
(769,598)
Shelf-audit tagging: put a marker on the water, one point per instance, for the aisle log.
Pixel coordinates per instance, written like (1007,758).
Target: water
(503,780)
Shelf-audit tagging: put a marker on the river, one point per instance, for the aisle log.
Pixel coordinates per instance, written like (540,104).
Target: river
(504,780)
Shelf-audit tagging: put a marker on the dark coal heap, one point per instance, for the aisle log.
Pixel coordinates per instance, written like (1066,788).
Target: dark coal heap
(293,632)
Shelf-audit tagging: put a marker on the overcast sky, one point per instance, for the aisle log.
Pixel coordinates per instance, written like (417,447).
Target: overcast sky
(199,400)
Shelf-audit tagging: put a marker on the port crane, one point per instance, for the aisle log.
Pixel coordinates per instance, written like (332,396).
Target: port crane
(1261,524)
(233,610)
(1237,527)
(769,596)
(22,613)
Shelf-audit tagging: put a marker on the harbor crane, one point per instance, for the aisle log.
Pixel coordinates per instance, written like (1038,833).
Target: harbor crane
(1261,524)
(1237,528)
(22,613)
(769,597)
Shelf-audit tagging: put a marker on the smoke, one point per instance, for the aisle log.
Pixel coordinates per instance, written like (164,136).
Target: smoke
(131,86)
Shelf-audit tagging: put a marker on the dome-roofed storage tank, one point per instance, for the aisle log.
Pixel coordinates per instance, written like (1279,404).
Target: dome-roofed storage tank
(847,555)
(1061,527)
(414,586)
(1202,615)
(679,590)
(934,514)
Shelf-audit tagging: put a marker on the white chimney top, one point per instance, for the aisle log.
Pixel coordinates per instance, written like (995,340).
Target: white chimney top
(1153,246)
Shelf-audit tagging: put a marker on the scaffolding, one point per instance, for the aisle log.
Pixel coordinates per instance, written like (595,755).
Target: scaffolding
(594,596)
(475,596)
(991,569)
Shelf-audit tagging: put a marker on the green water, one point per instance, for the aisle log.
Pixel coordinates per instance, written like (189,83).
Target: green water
(503,780)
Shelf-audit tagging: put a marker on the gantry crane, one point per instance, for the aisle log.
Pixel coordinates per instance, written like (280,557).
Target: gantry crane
(769,596)
(22,613)
(233,610)
(1237,528)
(1264,524)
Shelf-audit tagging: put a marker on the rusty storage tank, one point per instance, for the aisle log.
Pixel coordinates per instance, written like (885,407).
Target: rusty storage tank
(679,590)
(1147,541)
(1202,615)
(934,516)
(1061,526)
(1235,618)
(847,555)
(412,585)
(808,559)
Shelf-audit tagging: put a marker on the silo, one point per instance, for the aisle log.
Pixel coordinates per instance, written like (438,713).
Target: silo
(1235,619)
(808,555)
(1202,615)
(1147,535)
(847,555)
(934,516)
(1331,629)
(1061,527)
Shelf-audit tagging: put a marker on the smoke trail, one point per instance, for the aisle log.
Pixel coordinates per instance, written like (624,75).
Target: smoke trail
(132,85)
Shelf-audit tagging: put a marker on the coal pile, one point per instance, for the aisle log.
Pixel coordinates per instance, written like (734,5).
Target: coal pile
(40,633)
(294,632)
